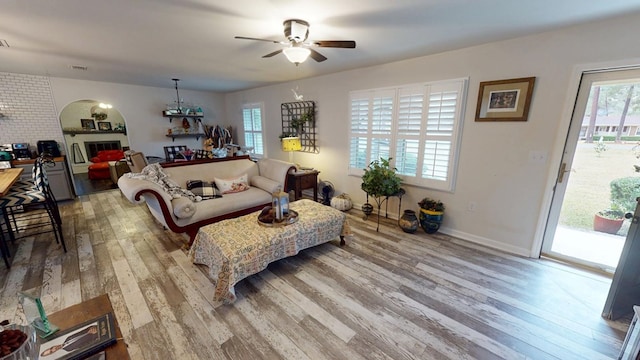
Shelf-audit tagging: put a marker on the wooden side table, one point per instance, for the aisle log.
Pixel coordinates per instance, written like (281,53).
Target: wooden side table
(301,180)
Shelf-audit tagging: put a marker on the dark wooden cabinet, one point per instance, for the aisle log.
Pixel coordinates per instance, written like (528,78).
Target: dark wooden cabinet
(301,180)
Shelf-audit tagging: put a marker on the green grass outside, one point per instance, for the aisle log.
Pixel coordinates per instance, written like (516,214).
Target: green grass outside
(588,188)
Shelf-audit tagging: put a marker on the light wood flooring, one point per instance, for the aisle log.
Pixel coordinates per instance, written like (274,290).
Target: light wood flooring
(385,295)
(86,186)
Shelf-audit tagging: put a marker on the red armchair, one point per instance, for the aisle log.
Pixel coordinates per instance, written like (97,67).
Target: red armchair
(100,167)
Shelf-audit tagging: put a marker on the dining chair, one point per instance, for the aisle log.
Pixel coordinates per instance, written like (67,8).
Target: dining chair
(29,211)
(135,160)
(173,152)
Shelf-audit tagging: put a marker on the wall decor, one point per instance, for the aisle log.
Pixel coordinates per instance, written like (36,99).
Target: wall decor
(88,124)
(104,125)
(505,100)
(299,120)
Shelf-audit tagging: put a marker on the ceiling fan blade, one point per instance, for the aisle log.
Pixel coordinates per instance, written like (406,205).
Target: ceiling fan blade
(251,38)
(348,44)
(317,56)
(273,53)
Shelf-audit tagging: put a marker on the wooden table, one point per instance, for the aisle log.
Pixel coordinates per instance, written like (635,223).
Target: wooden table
(301,180)
(7,178)
(86,311)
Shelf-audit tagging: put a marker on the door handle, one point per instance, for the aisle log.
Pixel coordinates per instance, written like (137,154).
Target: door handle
(562,171)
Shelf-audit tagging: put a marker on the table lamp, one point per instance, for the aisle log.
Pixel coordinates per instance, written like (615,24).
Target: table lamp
(291,144)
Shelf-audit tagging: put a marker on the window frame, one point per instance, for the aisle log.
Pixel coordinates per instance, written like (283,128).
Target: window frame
(458,86)
(252,106)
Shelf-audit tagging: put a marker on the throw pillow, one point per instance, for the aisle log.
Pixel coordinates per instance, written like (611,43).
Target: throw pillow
(204,189)
(228,186)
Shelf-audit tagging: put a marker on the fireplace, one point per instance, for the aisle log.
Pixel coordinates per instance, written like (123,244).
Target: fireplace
(92,147)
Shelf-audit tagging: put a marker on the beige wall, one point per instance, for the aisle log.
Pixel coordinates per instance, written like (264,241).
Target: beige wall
(512,194)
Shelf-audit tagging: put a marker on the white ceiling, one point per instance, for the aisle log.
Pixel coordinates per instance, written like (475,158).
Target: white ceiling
(148,42)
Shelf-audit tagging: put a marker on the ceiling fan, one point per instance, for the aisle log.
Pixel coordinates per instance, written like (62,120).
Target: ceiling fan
(296,31)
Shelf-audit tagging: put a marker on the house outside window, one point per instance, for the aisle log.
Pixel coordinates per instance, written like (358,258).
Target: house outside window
(252,122)
(418,126)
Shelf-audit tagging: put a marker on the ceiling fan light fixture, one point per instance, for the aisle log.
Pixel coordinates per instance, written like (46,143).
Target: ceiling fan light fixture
(296,54)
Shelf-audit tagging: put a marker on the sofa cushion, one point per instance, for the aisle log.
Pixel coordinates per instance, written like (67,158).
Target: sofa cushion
(266,184)
(228,186)
(183,208)
(205,189)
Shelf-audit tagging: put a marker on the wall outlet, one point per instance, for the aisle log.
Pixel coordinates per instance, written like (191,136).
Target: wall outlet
(472,206)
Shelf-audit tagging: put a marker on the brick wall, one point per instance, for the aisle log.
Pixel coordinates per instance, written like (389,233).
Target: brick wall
(29,110)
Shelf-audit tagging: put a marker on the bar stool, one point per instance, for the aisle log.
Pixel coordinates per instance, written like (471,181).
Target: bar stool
(26,208)
(4,249)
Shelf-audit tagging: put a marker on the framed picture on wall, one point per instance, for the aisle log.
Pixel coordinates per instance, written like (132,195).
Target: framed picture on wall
(505,100)
(104,125)
(88,124)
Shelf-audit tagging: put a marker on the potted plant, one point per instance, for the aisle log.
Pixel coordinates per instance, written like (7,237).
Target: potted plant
(431,214)
(609,220)
(623,194)
(379,181)
(297,122)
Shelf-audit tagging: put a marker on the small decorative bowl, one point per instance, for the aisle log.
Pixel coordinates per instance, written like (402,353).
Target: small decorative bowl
(29,348)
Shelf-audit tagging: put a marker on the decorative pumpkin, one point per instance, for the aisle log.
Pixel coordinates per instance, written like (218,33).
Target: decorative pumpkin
(341,202)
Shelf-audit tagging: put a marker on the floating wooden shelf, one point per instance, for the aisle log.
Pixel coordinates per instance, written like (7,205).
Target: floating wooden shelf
(182,116)
(93,132)
(174,136)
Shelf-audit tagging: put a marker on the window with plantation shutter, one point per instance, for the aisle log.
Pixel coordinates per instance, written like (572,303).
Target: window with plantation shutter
(418,126)
(252,126)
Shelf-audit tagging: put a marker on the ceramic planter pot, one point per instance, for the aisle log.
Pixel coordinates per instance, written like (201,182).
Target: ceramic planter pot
(606,225)
(367,209)
(408,222)
(430,220)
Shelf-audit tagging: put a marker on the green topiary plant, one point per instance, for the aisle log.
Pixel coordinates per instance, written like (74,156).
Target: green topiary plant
(380,179)
(624,192)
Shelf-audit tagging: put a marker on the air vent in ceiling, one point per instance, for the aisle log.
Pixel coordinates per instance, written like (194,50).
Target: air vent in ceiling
(79,67)
(4,43)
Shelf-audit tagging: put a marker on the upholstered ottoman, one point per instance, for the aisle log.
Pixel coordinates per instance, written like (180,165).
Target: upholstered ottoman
(99,171)
(236,248)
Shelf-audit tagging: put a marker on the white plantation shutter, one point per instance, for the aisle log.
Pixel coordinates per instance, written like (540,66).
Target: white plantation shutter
(418,126)
(440,134)
(252,125)
(410,114)
(381,124)
(359,133)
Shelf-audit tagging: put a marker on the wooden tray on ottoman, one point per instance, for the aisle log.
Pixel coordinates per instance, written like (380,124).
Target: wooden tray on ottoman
(266,219)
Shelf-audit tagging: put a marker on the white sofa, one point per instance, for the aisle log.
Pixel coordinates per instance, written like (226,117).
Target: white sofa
(182,215)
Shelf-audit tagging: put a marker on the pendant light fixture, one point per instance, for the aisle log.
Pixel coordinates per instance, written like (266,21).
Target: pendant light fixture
(179,108)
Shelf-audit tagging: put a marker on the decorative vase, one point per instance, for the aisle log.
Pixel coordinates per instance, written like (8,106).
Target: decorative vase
(367,209)
(408,222)
(430,220)
(606,225)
